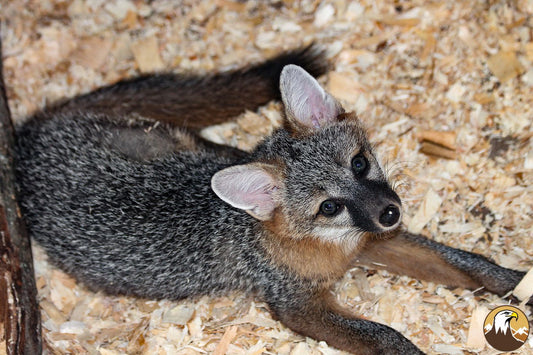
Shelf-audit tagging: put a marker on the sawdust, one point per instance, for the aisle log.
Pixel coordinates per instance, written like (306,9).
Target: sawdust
(405,67)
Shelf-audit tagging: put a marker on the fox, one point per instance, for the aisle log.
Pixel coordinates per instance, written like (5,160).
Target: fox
(123,193)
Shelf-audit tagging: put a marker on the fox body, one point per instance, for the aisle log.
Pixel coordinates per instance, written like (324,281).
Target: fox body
(123,193)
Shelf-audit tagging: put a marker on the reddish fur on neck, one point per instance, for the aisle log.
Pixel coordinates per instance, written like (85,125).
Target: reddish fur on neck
(306,255)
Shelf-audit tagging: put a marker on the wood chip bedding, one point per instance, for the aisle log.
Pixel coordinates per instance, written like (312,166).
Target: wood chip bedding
(445,88)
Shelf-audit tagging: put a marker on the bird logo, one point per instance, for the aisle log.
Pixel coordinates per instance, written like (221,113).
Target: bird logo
(506,328)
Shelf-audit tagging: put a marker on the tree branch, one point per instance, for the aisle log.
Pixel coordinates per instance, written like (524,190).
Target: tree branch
(20,321)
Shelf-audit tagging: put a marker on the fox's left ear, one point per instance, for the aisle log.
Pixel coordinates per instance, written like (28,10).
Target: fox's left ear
(307,104)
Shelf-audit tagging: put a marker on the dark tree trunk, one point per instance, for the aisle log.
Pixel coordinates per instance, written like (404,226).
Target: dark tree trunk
(20,321)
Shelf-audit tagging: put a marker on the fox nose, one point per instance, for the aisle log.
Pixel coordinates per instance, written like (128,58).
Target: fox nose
(389,216)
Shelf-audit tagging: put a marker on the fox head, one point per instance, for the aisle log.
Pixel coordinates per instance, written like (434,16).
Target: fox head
(317,176)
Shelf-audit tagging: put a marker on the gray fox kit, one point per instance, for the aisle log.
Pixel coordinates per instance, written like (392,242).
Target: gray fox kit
(123,194)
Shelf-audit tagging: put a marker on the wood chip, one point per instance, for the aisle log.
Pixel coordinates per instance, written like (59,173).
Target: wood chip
(343,87)
(429,207)
(449,349)
(227,338)
(130,20)
(179,315)
(529,51)
(505,66)
(396,21)
(439,144)
(476,338)
(436,150)
(300,349)
(361,282)
(53,313)
(146,54)
(92,52)
(433,299)
(524,289)
(435,325)
(232,5)
(253,123)
(445,139)
(324,15)
(484,98)
(119,8)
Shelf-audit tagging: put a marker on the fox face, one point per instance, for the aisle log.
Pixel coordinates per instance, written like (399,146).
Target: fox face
(342,187)
(317,177)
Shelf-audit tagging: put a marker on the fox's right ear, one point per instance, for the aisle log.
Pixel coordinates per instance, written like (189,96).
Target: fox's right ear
(250,187)
(307,104)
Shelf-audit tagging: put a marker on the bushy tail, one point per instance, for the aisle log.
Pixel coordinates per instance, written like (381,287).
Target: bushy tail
(197,101)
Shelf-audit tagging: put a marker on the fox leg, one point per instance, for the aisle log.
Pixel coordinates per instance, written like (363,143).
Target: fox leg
(422,258)
(317,315)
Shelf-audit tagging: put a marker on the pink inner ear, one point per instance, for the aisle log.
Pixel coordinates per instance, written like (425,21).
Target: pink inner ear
(255,189)
(317,108)
(305,100)
(246,187)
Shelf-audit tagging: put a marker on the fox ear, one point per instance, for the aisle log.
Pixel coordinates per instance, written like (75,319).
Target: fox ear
(249,187)
(306,103)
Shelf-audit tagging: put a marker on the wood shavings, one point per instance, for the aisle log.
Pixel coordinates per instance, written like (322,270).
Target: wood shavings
(476,338)
(403,67)
(61,293)
(436,150)
(227,338)
(456,92)
(53,313)
(524,290)
(324,15)
(343,87)
(92,52)
(397,21)
(253,124)
(528,161)
(179,315)
(119,8)
(505,66)
(444,139)
(448,349)
(76,8)
(362,285)
(428,208)
(434,324)
(300,349)
(146,53)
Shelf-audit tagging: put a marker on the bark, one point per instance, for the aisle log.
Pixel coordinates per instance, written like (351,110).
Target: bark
(20,328)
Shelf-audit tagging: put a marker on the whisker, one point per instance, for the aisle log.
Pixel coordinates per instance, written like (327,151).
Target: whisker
(354,235)
(396,177)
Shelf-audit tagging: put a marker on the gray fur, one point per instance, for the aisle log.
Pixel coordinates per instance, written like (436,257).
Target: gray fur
(126,206)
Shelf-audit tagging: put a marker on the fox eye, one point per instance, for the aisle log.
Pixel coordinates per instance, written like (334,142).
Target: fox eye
(329,208)
(359,165)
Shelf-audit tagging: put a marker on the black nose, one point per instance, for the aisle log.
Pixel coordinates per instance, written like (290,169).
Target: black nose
(390,216)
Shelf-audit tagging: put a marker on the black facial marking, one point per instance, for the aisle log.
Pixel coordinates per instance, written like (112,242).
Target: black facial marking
(374,206)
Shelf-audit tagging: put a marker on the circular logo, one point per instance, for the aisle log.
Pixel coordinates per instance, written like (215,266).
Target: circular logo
(506,328)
